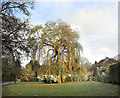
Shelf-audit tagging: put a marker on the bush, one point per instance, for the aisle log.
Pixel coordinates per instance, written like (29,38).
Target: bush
(68,79)
(49,80)
(95,72)
(106,79)
(111,75)
(84,77)
(114,72)
(39,80)
(99,78)
(90,77)
(33,79)
(24,79)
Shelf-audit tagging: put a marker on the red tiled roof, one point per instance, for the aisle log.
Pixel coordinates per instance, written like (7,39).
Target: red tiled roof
(104,62)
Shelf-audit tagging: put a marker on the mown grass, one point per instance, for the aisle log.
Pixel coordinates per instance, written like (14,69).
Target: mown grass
(21,82)
(64,89)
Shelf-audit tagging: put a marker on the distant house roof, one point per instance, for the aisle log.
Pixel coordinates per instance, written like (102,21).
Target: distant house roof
(103,62)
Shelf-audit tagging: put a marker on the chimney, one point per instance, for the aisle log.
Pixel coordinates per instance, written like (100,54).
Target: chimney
(107,58)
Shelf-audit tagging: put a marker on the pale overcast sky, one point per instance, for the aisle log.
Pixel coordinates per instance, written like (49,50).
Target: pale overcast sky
(96,22)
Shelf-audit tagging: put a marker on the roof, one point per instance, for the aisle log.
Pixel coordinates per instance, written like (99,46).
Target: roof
(104,62)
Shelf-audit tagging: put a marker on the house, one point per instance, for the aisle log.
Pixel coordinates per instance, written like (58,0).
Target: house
(104,62)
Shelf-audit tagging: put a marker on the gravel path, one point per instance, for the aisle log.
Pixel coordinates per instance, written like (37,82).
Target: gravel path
(4,83)
(32,83)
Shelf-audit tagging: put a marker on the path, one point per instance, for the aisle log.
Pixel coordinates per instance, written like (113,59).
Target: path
(4,83)
(32,83)
(7,83)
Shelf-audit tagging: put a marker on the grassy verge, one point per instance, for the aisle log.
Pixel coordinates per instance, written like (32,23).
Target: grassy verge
(17,82)
(65,89)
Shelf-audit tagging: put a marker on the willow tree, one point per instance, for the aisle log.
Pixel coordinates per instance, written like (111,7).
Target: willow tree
(59,43)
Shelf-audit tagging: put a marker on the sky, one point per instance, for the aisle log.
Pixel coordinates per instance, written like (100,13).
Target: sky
(96,22)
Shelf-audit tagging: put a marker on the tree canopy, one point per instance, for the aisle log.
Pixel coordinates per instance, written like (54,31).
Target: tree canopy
(58,44)
(13,33)
(55,45)
(14,28)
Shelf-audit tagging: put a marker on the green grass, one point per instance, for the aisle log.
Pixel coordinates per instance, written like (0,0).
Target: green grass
(65,89)
(21,82)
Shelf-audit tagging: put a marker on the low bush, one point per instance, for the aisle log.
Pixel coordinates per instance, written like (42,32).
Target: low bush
(39,80)
(99,78)
(49,80)
(90,77)
(33,79)
(106,79)
(24,79)
(67,79)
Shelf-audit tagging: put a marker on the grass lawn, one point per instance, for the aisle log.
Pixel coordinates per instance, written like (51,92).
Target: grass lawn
(64,89)
(21,82)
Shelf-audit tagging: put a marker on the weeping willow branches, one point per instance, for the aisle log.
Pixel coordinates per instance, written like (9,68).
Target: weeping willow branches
(59,43)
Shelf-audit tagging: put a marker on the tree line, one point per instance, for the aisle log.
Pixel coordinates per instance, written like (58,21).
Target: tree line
(53,44)
(56,45)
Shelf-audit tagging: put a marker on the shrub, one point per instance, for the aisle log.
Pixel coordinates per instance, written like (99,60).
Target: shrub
(99,78)
(49,80)
(68,79)
(114,72)
(24,79)
(90,77)
(39,80)
(33,79)
(95,72)
(84,77)
(106,79)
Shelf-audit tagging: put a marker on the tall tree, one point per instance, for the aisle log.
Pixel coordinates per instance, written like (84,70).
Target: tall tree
(13,30)
(85,62)
(59,41)
(31,69)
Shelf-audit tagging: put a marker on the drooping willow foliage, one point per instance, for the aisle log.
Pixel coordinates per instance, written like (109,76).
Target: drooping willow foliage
(56,45)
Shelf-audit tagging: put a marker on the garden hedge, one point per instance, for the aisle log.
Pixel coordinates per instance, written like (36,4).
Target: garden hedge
(114,73)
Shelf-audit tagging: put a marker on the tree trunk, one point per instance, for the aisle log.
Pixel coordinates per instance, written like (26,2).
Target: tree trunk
(59,66)
(59,76)
(15,79)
